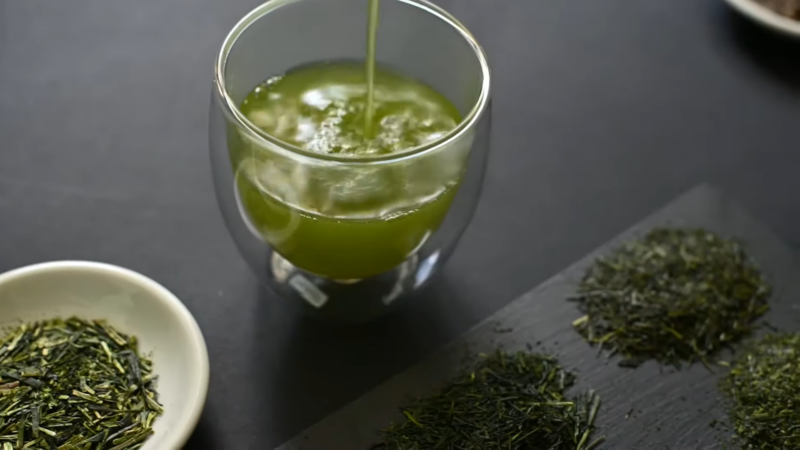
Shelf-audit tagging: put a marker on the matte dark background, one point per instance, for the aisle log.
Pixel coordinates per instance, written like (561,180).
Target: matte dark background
(604,111)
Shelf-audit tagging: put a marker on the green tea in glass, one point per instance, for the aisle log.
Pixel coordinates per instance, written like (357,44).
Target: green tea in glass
(345,180)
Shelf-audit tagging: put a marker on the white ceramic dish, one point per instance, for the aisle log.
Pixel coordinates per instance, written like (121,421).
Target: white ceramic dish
(133,304)
(767,17)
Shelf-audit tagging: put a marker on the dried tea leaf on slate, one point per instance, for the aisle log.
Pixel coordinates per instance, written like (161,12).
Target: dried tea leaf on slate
(510,401)
(763,389)
(675,296)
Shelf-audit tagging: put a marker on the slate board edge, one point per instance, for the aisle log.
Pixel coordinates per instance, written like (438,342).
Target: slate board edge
(470,339)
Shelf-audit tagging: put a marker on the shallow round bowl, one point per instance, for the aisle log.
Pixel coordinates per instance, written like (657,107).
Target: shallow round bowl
(767,17)
(133,304)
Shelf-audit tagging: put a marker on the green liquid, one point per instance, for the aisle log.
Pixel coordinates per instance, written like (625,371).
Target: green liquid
(321,108)
(345,225)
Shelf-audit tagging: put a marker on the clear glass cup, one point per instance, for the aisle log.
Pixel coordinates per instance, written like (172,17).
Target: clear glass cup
(344,236)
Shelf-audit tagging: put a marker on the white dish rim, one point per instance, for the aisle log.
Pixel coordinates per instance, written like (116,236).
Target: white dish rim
(767,17)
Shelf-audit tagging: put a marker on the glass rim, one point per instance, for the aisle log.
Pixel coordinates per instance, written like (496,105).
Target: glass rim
(466,124)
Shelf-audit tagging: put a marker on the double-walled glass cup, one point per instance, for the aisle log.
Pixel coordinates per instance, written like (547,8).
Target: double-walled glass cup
(347,236)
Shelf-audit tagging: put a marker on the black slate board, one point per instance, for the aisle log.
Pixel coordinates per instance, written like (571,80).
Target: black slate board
(670,409)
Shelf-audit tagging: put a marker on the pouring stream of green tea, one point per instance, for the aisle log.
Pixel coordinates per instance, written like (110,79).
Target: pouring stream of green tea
(372,41)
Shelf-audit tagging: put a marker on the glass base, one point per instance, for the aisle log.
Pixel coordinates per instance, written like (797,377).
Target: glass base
(335,301)
(348,301)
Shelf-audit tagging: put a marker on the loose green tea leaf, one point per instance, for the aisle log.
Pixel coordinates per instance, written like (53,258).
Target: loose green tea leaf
(74,385)
(763,387)
(510,401)
(677,295)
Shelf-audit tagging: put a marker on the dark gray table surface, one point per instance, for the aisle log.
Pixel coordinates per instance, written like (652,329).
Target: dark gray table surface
(604,111)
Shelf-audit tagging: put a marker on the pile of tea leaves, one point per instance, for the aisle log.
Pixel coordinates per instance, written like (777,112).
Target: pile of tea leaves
(74,384)
(763,388)
(510,401)
(675,296)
